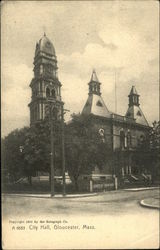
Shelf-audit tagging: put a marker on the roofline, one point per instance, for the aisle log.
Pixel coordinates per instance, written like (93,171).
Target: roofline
(119,121)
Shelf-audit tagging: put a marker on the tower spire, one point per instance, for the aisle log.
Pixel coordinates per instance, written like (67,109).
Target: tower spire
(45,81)
(94,84)
(94,76)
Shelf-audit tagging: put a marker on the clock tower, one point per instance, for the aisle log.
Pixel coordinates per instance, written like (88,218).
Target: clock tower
(45,85)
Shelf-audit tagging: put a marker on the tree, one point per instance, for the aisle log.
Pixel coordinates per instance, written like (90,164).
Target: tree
(147,155)
(154,141)
(84,148)
(12,157)
(27,150)
(37,147)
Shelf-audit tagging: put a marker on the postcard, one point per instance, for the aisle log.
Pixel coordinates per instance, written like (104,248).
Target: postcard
(80,124)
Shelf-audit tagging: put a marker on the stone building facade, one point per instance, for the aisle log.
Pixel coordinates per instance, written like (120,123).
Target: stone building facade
(121,133)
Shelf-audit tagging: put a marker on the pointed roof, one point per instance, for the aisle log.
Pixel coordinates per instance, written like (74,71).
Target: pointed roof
(94,77)
(96,106)
(136,113)
(133,91)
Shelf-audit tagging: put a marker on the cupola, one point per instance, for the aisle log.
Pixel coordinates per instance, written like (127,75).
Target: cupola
(45,45)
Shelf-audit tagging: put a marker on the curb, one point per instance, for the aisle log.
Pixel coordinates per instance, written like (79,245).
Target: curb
(54,197)
(140,189)
(144,204)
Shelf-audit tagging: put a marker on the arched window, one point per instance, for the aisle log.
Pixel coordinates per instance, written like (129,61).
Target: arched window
(141,140)
(47,92)
(53,93)
(122,139)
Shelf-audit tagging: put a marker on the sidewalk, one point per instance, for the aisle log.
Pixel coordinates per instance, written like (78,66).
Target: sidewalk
(81,195)
(140,188)
(151,202)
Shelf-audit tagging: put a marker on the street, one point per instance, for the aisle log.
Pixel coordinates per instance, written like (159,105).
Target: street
(112,219)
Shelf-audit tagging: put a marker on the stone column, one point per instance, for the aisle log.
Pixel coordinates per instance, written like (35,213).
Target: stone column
(40,112)
(41,69)
(127,169)
(43,109)
(91,185)
(116,183)
(122,171)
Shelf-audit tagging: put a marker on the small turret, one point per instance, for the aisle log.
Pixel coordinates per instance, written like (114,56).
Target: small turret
(134,111)
(133,97)
(94,84)
(95,104)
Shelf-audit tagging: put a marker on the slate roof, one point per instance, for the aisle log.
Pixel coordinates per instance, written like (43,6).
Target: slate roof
(96,106)
(133,91)
(94,77)
(136,113)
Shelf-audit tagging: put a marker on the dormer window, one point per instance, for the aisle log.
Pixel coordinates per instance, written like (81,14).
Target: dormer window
(87,104)
(139,113)
(48,44)
(99,104)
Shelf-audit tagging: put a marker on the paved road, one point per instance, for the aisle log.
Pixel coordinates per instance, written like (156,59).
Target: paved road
(112,202)
(116,219)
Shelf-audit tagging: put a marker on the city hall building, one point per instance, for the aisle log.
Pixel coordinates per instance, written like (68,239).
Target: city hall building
(121,133)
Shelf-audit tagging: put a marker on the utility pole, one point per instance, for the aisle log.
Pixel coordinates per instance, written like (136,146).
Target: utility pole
(63,149)
(115,91)
(63,152)
(52,150)
(53,108)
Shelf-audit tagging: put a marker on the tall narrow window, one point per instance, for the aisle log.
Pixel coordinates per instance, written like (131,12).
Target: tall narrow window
(122,139)
(55,113)
(40,86)
(53,93)
(129,142)
(47,92)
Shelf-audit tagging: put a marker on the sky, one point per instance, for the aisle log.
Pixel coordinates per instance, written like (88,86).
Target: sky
(119,39)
